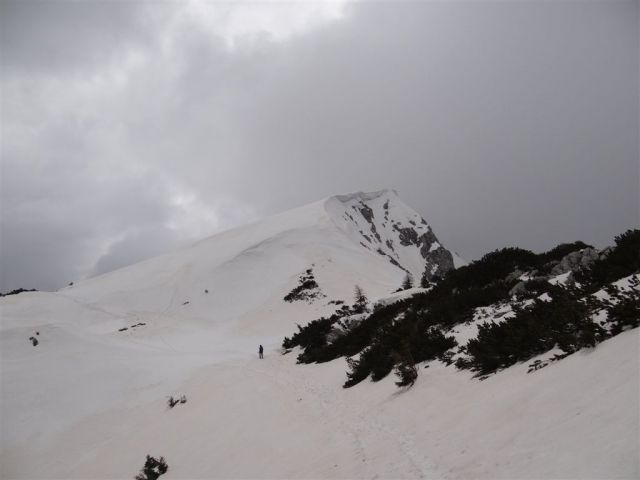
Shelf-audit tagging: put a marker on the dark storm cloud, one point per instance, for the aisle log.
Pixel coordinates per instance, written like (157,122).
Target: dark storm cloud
(502,123)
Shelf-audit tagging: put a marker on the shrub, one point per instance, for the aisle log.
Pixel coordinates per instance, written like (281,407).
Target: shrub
(407,283)
(624,312)
(307,288)
(559,252)
(360,300)
(494,266)
(424,280)
(623,260)
(152,469)
(431,344)
(172,402)
(312,335)
(410,331)
(16,292)
(403,342)
(536,287)
(374,360)
(407,374)
(565,322)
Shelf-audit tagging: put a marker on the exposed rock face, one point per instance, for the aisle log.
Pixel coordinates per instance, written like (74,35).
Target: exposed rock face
(575,261)
(441,259)
(570,263)
(389,228)
(435,255)
(515,275)
(518,288)
(604,253)
(408,236)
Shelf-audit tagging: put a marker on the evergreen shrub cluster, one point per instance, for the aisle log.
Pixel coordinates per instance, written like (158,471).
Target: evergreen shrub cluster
(623,310)
(621,261)
(413,330)
(565,322)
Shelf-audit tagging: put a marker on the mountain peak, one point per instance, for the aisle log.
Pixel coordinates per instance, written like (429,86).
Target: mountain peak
(383,224)
(366,196)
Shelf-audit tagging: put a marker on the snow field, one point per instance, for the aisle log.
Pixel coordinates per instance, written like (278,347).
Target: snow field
(90,400)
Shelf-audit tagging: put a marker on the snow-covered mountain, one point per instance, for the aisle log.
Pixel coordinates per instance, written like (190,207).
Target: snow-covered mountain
(369,239)
(86,371)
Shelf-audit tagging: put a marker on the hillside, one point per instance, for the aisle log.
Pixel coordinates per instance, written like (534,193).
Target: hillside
(87,371)
(135,334)
(512,305)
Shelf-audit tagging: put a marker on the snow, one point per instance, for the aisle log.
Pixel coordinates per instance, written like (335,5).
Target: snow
(494,313)
(90,401)
(560,279)
(624,284)
(396,297)
(573,419)
(458,261)
(545,297)
(389,214)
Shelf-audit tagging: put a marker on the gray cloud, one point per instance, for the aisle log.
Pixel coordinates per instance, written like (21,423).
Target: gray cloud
(502,123)
(134,246)
(47,36)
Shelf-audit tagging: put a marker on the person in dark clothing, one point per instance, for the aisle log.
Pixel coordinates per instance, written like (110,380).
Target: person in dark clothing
(260,352)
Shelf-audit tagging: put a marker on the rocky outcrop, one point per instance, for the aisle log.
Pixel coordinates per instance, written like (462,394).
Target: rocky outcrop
(388,227)
(576,261)
(441,259)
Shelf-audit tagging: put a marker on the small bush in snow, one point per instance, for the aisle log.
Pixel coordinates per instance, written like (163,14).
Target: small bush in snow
(172,402)
(307,289)
(407,374)
(407,283)
(360,300)
(152,469)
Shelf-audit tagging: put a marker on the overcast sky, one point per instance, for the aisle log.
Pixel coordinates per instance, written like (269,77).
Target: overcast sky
(132,128)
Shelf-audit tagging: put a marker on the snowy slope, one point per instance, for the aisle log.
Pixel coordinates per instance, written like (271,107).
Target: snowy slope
(89,401)
(274,419)
(366,238)
(143,328)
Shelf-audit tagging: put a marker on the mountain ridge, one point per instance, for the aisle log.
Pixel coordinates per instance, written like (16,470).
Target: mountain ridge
(404,240)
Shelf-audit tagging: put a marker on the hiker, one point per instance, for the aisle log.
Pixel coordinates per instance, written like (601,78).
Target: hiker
(260,352)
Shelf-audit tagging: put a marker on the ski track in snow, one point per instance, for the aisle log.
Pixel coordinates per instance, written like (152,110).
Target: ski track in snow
(406,459)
